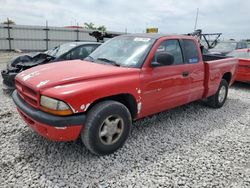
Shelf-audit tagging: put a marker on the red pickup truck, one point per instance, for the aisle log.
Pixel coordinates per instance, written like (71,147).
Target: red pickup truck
(125,79)
(243,74)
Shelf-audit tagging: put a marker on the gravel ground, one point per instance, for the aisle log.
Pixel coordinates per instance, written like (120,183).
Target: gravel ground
(190,146)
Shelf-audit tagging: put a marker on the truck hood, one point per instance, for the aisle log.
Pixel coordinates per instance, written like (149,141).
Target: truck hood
(66,72)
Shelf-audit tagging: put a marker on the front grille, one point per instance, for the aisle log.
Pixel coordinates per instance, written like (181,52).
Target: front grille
(28,94)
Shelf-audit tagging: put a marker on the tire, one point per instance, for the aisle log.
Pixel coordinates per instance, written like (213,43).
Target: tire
(219,98)
(105,120)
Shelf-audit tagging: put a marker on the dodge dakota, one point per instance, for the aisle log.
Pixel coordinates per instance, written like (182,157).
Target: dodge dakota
(127,78)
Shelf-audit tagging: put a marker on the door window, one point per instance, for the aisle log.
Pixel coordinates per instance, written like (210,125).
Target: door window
(172,47)
(81,52)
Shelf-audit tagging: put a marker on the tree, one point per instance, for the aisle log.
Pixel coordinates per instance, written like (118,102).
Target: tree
(92,26)
(102,28)
(9,21)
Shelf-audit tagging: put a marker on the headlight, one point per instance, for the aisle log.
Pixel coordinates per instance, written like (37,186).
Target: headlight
(54,106)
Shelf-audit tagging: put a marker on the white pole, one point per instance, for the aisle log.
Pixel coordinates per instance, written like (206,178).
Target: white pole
(196,19)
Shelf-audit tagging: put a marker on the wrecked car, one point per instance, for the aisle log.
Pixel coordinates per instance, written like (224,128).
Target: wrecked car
(225,47)
(67,51)
(127,78)
(243,73)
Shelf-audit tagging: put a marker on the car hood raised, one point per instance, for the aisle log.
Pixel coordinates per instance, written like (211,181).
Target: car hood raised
(60,73)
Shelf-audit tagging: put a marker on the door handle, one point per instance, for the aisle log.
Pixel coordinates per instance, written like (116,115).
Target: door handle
(185,74)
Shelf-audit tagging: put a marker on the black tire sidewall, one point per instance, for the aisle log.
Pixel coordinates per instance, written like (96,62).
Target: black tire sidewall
(95,119)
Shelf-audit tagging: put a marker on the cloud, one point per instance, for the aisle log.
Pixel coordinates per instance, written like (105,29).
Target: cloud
(170,16)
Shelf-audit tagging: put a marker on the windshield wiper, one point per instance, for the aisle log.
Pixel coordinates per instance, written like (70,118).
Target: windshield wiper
(112,62)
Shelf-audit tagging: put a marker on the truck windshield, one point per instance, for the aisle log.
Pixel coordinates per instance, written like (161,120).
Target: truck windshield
(124,51)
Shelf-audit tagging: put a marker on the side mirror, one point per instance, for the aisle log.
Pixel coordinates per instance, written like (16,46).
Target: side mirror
(163,58)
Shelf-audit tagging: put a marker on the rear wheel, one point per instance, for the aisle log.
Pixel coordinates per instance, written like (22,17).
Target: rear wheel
(219,98)
(107,127)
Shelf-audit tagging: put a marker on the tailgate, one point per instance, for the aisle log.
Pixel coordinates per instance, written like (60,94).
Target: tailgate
(243,73)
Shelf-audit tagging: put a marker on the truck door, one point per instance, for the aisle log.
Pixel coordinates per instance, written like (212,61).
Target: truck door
(195,69)
(165,86)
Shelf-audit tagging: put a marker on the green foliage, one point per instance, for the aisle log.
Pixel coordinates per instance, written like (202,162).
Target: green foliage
(102,28)
(9,21)
(92,26)
(89,26)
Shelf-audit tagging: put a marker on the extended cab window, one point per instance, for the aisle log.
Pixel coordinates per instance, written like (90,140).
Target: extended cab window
(172,47)
(191,52)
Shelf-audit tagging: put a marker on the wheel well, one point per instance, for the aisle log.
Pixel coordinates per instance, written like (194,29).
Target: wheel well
(127,99)
(227,76)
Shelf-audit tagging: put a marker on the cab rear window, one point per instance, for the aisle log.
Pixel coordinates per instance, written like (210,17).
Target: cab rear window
(191,52)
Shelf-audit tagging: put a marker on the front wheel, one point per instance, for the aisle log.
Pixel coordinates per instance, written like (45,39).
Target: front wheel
(219,98)
(107,127)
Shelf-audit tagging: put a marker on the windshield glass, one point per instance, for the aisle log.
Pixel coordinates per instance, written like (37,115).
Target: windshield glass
(60,50)
(240,54)
(227,46)
(128,51)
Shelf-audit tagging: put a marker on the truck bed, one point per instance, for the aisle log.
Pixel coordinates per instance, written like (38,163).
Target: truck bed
(213,57)
(217,67)
(243,74)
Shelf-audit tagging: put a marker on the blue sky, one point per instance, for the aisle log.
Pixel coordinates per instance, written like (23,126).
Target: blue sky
(170,16)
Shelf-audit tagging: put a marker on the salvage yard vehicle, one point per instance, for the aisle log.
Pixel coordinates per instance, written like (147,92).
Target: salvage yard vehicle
(127,78)
(243,74)
(67,51)
(225,47)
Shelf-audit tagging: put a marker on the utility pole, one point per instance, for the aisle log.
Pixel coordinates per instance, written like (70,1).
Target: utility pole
(77,32)
(47,35)
(8,27)
(196,19)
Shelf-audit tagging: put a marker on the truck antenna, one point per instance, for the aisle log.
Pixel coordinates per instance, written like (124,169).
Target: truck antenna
(196,19)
